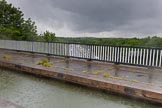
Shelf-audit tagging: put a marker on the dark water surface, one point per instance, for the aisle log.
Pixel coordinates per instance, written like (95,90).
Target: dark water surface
(39,92)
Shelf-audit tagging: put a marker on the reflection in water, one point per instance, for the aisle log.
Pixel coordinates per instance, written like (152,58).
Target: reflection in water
(38,92)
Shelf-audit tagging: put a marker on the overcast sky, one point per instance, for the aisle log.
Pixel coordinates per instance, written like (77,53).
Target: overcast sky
(95,18)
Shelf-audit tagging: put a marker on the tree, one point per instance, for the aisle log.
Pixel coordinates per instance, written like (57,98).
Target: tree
(49,36)
(29,30)
(13,25)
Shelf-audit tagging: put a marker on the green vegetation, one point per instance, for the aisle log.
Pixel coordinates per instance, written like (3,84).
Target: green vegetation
(106,75)
(48,37)
(96,73)
(7,57)
(45,62)
(14,26)
(147,41)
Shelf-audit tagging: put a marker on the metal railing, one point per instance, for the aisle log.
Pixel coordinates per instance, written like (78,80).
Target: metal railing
(141,56)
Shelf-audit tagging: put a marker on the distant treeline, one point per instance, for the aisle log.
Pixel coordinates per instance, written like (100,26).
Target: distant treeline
(147,41)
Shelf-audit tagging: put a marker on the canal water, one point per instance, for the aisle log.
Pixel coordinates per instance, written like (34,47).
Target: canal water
(38,92)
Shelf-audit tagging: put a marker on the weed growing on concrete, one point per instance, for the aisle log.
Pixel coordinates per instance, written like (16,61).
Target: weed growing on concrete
(148,84)
(96,73)
(106,75)
(7,57)
(135,81)
(45,62)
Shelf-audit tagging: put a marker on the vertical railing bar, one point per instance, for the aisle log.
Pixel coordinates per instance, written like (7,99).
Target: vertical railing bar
(56,48)
(126,55)
(157,55)
(108,53)
(138,55)
(160,58)
(153,58)
(59,52)
(141,53)
(60,49)
(147,57)
(71,50)
(150,60)
(86,51)
(120,54)
(96,56)
(123,54)
(96,53)
(64,49)
(113,54)
(134,54)
(105,50)
(117,54)
(144,57)
(101,52)
(131,56)
(75,51)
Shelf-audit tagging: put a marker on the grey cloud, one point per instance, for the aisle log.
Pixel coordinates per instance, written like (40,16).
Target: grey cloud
(108,15)
(143,16)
